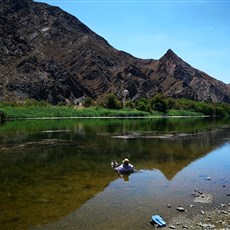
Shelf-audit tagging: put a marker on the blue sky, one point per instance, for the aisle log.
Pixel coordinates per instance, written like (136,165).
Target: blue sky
(197,31)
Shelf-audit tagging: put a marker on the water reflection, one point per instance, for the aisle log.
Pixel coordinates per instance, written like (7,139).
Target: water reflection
(50,168)
(129,205)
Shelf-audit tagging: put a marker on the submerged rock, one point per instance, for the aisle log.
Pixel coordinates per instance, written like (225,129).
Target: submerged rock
(180,209)
(207,226)
(222,205)
(204,198)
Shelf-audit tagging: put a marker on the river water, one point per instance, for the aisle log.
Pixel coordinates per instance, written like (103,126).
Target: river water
(56,174)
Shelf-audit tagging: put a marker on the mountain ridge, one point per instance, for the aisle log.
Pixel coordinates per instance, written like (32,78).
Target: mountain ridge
(48,54)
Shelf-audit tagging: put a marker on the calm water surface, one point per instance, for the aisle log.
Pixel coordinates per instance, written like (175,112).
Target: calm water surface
(56,174)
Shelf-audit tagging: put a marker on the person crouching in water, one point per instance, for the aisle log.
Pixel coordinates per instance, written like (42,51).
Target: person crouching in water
(124,168)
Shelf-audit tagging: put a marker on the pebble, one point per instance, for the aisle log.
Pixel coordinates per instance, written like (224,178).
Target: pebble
(207,226)
(198,191)
(195,195)
(224,212)
(180,209)
(219,222)
(209,218)
(179,223)
(222,205)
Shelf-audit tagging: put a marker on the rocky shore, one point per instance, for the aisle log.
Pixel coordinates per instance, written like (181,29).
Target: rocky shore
(213,218)
(209,219)
(218,218)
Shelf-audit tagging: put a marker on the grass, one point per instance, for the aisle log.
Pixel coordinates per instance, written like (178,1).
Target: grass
(49,111)
(66,111)
(182,112)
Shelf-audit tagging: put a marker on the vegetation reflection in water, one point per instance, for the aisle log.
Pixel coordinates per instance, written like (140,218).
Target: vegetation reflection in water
(48,168)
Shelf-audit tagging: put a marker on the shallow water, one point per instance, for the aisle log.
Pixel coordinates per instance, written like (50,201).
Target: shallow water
(56,174)
(132,202)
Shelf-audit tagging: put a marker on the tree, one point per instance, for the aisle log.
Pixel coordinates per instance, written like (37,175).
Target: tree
(88,102)
(111,102)
(158,103)
(3,116)
(130,104)
(143,105)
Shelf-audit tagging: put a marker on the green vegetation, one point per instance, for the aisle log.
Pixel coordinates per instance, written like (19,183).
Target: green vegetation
(36,111)
(111,106)
(2,116)
(181,112)
(51,111)
(183,107)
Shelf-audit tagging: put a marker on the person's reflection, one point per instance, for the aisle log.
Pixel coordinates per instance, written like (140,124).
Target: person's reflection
(126,177)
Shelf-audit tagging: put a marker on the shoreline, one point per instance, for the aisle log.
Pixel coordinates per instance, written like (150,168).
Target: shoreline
(103,117)
(216,218)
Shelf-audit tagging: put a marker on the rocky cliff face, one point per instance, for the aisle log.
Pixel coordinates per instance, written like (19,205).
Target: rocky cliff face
(47,54)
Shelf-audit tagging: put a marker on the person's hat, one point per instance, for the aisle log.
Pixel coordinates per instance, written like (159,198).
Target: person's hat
(125,160)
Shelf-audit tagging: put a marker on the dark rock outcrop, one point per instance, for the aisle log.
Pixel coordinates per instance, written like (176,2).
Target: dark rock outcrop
(47,54)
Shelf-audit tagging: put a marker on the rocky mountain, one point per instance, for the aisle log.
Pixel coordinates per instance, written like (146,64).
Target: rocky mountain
(48,54)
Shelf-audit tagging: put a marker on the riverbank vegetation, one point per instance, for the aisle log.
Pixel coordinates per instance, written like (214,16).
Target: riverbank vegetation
(46,110)
(111,106)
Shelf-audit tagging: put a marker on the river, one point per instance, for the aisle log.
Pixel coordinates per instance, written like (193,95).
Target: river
(56,174)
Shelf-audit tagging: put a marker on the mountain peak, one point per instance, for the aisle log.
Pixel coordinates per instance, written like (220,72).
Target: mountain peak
(170,55)
(170,52)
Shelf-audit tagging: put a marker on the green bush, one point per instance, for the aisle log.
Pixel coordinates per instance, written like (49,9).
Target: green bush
(3,116)
(181,112)
(111,102)
(143,105)
(88,102)
(130,105)
(159,103)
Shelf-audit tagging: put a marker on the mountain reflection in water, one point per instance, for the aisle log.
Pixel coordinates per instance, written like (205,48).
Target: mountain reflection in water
(50,168)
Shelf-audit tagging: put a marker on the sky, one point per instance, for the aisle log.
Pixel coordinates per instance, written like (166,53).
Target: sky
(198,31)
